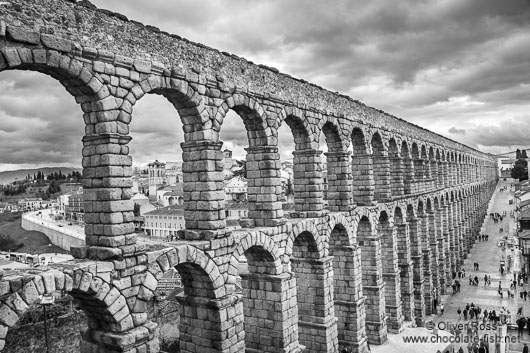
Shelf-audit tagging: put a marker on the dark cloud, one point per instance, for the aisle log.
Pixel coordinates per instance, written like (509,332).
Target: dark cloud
(438,64)
(454,130)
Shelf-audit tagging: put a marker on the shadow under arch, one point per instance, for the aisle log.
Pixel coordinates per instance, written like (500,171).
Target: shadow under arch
(348,298)
(106,309)
(372,280)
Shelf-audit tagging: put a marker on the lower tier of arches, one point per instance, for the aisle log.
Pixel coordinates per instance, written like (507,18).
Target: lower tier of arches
(313,285)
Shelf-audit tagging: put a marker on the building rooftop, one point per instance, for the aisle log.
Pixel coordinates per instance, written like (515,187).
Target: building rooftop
(156,163)
(175,210)
(139,196)
(525,215)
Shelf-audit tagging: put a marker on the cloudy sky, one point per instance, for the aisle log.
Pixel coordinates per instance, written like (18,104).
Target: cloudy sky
(459,68)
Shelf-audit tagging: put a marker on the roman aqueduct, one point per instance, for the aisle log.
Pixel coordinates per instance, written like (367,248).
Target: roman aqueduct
(401,212)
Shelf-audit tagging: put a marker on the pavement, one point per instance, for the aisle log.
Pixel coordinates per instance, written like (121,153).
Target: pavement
(489,255)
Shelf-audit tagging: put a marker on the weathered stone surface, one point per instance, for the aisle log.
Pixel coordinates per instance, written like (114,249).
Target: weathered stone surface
(349,244)
(56,43)
(22,35)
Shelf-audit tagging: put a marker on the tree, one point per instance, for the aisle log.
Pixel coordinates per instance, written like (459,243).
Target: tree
(289,188)
(523,154)
(242,171)
(54,187)
(520,170)
(136,210)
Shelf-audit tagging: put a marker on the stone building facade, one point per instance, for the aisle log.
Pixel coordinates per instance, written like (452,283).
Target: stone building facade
(157,175)
(402,209)
(164,222)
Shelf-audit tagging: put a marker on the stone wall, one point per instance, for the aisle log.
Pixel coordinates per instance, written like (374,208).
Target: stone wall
(57,236)
(316,278)
(158,51)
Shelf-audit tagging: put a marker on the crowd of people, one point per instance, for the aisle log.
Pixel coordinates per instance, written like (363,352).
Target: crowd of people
(497,217)
(513,288)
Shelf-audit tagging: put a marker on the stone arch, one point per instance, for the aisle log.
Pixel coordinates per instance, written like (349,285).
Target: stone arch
(186,100)
(338,159)
(431,153)
(359,141)
(435,202)
(77,77)
(411,209)
(263,159)
(388,231)
(415,150)
(360,213)
(381,168)
(378,146)
(425,161)
(397,167)
(305,227)
(420,207)
(393,149)
(385,211)
(313,291)
(106,308)
(338,220)
(399,216)
(423,150)
(405,150)
(408,168)
(429,203)
(302,132)
(373,285)
(307,166)
(191,263)
(362,168)
(260,244)
(333,134)
(259,131)
(347,292)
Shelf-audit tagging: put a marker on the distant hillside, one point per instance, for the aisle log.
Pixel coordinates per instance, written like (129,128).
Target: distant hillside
(20,174)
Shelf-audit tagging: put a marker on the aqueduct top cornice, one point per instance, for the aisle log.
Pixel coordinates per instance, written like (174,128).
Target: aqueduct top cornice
(111,37)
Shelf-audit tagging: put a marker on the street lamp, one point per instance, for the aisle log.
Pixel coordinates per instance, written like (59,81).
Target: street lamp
(524,245)
(45,301)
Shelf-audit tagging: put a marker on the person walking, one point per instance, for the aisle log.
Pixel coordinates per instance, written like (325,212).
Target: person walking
(525,348)
(521,323)
(442,308)
(465,313)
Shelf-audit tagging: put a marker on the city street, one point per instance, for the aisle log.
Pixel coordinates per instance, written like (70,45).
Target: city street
(489,256)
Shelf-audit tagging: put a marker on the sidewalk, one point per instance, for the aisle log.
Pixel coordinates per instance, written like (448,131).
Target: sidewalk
(488,255)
